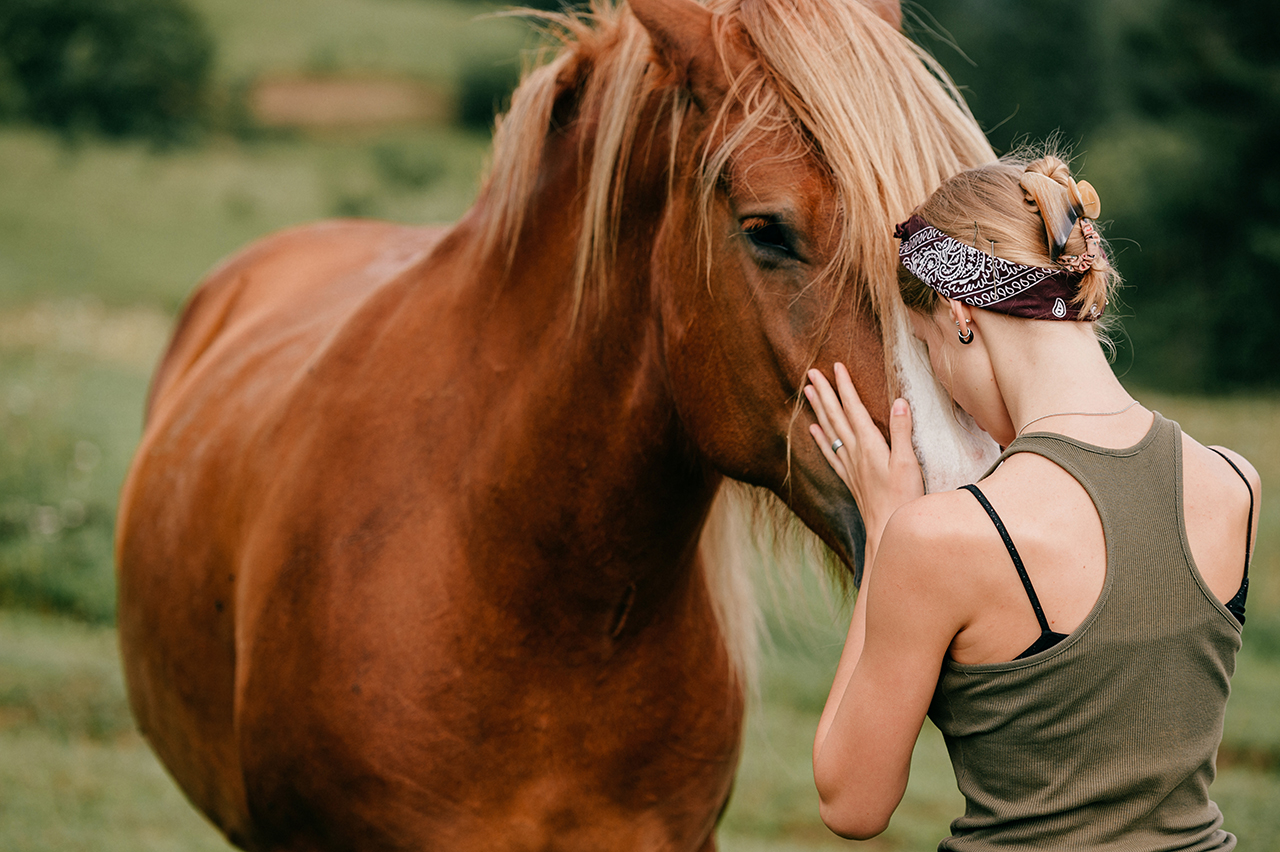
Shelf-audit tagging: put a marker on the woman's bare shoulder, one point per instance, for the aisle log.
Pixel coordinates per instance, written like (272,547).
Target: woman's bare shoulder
(944,514)
(1243,464)
(944,534)
(1217,508)
(1198,457)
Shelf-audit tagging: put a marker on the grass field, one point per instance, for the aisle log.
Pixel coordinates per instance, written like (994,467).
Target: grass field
(99,245)
(126,225)
(75,776)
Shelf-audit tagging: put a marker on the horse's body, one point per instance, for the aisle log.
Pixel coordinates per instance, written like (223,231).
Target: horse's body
(409,555)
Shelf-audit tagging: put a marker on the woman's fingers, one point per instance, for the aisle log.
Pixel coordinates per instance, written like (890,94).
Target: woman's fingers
(818,404)
(880,475)
(826,405)
(824,445)
(856,412)
(864,429)
(900,428)
(871,444)
(901,450)
(826,431)
(904,467)
(866,460)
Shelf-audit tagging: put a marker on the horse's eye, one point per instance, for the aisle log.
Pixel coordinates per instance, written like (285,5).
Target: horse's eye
(771,236)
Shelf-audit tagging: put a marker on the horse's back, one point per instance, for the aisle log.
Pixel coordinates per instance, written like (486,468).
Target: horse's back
(308,275)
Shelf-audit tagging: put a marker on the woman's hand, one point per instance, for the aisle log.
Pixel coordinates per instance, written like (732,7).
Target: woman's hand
(881,477)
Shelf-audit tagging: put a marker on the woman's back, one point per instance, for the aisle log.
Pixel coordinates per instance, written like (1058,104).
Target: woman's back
(1057,531)
(1070,747)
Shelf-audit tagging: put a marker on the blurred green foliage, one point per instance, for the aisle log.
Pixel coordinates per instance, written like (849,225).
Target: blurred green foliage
(1172,108)
(69,403)
(55,544)
(119,67)
(484,88)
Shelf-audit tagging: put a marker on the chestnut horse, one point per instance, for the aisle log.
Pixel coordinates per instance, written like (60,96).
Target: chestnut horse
(409,555)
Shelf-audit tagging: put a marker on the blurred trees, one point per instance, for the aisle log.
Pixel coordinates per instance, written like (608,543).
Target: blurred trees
(1172,108)
(485,84)
(119,67)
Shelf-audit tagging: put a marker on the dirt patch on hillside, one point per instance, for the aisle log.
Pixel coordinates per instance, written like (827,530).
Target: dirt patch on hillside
(337,102)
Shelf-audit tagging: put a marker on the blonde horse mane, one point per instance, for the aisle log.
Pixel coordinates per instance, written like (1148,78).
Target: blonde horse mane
(876,109)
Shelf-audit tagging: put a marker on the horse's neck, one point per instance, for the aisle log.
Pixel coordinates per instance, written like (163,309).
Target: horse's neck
(601,453)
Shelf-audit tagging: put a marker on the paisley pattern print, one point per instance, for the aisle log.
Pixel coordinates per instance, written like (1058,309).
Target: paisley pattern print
(981,280)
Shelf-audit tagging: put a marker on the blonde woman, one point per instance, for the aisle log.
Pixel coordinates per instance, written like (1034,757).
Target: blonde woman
(1070,623)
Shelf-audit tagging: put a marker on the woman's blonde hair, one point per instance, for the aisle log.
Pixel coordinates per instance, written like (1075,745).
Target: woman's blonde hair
(1008,209)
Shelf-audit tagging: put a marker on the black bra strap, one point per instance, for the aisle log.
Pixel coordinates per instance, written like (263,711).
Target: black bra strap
(1248,534)
(1013,554)
(1237,603)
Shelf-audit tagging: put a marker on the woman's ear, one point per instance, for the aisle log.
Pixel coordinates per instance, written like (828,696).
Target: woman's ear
(961,313)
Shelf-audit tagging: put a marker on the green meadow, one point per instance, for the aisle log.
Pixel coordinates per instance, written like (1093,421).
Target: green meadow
(100,243)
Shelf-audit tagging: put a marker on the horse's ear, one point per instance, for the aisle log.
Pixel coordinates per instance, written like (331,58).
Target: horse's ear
(681,32)
(889,10)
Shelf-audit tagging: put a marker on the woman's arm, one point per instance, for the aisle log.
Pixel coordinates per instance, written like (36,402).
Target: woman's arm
(902,625)
(905,618)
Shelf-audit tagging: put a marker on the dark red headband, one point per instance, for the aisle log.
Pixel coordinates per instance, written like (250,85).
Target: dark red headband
(969,275)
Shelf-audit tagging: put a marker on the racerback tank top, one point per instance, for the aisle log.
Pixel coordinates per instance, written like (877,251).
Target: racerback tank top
(1107,740)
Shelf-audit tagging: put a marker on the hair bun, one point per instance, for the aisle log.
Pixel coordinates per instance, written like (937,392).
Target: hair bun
(1059,199)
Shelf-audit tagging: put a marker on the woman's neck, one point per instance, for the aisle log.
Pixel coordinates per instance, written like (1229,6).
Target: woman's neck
(1056,376)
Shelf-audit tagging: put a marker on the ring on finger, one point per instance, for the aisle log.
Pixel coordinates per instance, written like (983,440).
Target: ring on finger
(836,445)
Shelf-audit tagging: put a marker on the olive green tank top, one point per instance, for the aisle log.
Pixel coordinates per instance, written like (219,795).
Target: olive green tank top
(1107,740)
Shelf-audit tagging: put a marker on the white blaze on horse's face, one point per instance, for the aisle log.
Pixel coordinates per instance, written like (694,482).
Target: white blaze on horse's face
(952,448)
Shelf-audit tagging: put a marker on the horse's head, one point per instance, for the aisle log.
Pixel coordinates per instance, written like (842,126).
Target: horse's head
(742,166)
(812,127)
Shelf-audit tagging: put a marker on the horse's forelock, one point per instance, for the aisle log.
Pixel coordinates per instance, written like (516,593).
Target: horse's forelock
(885,118)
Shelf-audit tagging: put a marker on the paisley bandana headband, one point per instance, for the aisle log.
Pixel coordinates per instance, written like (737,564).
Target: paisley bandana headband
(969,275)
